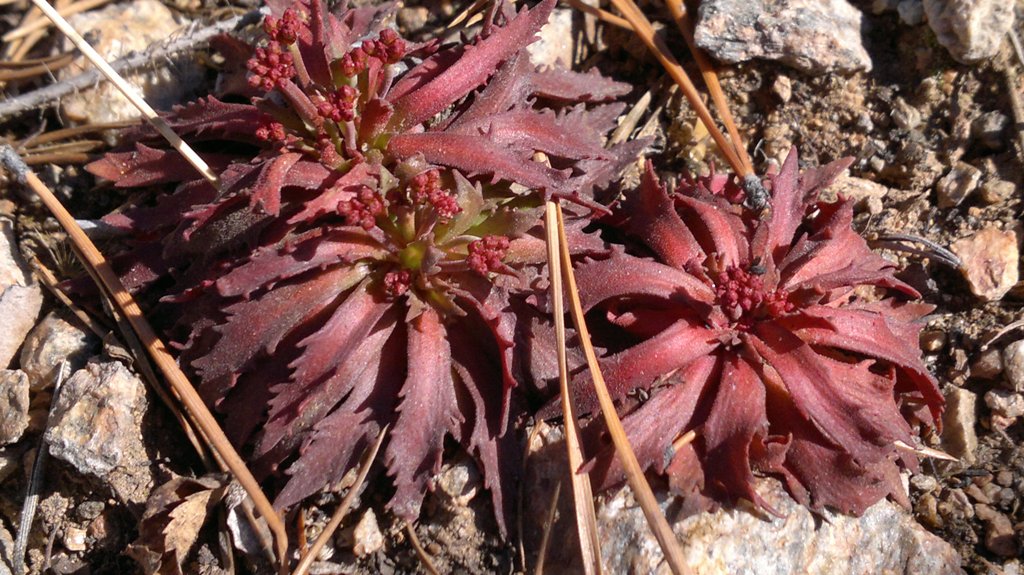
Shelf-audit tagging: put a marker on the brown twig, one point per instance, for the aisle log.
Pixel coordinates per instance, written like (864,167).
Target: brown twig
(602,15)
(42,23)
(583,495)
(368,458)
(642,27)
(468,14)
(425,559)
(682,19)
(179,383)
(63,133)
(1013,90)
(50,282)
(634,473)
(17,72)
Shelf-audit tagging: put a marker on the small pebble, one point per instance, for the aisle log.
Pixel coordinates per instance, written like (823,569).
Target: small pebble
(882,6)
(956,506)
(990,260)
(977,494)
(955,186)
(927,510)
(996,191)
(1004,478)
(905,116)
(74,539)
(971,30)
(999,534)
(988,365)
(411,19)
(8,464)
(932,340)
(924,483)
(367,536)
(52,341)
(14,403)
(554,45)
(20,296)
(911,12)
(867,195)
(89,509)
(1013,365)
(460,482)
(1005,403)
(782,88)
(958,436)
(991,492)
(988,130)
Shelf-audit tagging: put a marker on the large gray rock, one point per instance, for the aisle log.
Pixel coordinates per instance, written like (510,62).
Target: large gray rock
(815,36)
(971,30)
(13,405)
(20,296)
(96,427)
(886,539)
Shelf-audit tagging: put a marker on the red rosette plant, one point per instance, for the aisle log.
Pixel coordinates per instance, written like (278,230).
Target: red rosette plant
(777,338)
(357,267)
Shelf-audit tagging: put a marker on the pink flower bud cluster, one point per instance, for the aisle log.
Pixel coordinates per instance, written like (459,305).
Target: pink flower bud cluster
(363,209)
(397,283)
(271,67)
(426,188)
(325,147)
(339,105)
(742,295)
(270,131)
(285,30)
(485,254)
(388,48)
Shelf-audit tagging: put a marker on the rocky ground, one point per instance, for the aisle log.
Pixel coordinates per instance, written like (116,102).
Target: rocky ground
(927,111)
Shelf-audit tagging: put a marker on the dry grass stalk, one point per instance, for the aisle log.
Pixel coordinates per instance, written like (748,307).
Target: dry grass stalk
(50,282)
(36,475)
(549,523)
(18,49)
(634,474)
(28,28)
(130,92)
(310,554)
(602,15)
(678,10)
(642,28)
(180,385)
(15,71)
(583,495)
(925,451)
(470,15)
(65,133)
